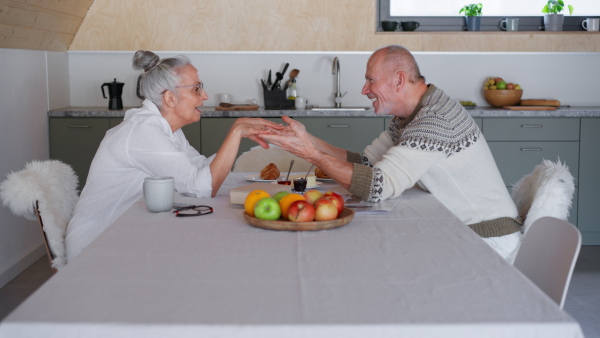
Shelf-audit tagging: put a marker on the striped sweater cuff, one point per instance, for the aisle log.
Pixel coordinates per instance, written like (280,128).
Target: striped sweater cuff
(362,178)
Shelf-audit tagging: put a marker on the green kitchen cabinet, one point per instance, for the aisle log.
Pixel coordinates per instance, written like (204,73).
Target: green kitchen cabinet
(519,144)
(214,130)
(191,131)
(352,133)
(589,178)
(75,141)
(478,121)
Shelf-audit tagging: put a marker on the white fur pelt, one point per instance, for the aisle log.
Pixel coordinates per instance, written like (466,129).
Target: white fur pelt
(547,191)
(53,184)
(257,158)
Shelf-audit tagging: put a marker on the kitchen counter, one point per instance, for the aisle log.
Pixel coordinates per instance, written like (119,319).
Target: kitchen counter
(208,112)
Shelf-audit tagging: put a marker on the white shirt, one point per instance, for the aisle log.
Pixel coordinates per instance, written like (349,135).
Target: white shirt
(141,146)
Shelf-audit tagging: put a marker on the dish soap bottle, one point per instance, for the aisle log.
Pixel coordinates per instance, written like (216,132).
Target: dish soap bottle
(292,91)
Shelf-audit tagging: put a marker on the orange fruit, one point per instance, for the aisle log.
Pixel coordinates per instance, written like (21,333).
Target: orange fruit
(286,201)
(252,198)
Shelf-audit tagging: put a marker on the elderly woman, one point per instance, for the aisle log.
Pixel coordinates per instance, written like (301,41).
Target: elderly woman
(149,142)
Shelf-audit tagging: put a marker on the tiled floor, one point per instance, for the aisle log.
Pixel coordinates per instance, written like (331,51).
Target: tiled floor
(583,298)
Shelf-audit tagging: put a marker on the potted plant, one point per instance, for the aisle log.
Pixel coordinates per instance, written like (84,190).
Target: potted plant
(472,16)
(553,21)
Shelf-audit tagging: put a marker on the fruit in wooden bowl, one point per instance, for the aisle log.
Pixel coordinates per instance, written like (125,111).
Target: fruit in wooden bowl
(298,212)
(499,93)
(503,97)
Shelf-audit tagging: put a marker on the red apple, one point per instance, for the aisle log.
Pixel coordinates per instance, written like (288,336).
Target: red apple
(510,86)
(336,202)
(313,195)
(339,197)
(325,209)
(301,211)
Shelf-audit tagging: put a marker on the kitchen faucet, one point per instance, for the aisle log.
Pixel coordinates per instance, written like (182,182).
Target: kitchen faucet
(335,70)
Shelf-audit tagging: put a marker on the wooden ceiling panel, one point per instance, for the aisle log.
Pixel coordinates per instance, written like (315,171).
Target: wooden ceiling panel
(41,24)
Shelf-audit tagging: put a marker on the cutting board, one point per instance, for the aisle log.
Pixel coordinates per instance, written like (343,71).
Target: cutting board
(529,108)
(540,102)
(238,107)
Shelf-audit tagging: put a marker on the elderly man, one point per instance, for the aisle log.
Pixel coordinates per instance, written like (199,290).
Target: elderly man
(432,141)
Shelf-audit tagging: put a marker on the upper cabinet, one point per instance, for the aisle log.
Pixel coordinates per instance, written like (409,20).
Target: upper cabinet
(258,25)
(267,25)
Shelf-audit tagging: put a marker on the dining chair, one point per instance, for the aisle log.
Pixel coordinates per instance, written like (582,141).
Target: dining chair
(547,191)
(548,254)
(257,158)
(46,191)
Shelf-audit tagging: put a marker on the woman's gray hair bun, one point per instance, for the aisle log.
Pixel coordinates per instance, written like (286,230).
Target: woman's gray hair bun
(160,75)
(145,60)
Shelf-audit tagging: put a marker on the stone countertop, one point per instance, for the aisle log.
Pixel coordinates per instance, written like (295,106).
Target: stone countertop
(208,112)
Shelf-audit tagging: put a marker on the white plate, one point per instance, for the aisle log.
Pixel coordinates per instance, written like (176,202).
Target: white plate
(257,179)
(325,179)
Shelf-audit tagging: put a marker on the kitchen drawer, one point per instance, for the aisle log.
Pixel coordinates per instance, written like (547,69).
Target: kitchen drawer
(352,133)
(516,159)
(75,141)
(527,129)
(213,131)
(478,121)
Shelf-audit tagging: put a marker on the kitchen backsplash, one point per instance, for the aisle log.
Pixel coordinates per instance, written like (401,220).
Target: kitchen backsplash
(568,77)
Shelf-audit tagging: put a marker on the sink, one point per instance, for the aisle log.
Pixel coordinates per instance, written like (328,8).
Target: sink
(340,108)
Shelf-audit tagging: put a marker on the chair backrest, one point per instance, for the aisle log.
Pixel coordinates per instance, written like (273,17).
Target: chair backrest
(547,191)
(257,158)
(44,190)
(548,254)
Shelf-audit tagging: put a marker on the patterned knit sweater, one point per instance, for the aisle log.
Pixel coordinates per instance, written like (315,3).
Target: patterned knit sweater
(440,148)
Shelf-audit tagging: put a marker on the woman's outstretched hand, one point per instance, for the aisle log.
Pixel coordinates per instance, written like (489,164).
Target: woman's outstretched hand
(252,128)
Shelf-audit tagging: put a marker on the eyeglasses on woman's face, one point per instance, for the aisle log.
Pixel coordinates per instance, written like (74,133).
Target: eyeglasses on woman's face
(198,88)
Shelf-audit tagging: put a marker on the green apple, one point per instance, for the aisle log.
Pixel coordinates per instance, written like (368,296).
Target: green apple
(267,208)
(501,85)
(280,194)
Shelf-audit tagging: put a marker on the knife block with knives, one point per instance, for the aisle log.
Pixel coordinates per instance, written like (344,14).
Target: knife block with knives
(276,99)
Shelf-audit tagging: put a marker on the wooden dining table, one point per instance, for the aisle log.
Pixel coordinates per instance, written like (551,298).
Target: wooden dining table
(415,271)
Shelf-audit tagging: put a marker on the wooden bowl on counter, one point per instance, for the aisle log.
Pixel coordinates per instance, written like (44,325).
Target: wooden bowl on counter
(503,97)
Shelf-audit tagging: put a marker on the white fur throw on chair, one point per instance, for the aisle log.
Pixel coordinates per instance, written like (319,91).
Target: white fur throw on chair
(53,185)
(257,158)
(547,191)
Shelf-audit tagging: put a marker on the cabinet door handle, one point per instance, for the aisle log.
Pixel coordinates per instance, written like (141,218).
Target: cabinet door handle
(79,126)
(532,126)
(531,149)
(338,125)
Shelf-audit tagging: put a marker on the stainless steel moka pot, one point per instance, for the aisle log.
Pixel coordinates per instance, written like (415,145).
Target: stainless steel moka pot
(115,90)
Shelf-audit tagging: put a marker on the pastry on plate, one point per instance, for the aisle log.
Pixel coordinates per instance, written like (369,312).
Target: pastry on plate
(320,173)
(270,172)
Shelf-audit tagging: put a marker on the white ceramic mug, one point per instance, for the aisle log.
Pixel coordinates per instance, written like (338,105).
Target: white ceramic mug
(158,193)
(225,98)
(510,24)
(591,24)
(300,103)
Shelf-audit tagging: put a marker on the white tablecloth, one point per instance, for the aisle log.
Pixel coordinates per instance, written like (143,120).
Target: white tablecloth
(414,272)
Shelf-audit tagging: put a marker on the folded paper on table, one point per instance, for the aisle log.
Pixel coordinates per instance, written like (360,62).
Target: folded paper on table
(364,207)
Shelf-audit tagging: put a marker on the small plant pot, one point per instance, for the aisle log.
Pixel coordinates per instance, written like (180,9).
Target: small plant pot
(473,23)
(553,22)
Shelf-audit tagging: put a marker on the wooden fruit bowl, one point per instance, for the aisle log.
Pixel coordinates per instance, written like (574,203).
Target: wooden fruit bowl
(503,97)
(344,218)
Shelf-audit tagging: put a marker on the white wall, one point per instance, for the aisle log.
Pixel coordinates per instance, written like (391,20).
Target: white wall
(568,77)
(24,94)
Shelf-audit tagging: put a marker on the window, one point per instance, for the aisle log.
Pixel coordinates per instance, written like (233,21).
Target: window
(442,15)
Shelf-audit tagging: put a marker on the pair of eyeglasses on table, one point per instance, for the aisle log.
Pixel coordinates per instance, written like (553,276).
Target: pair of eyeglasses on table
(192,210)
